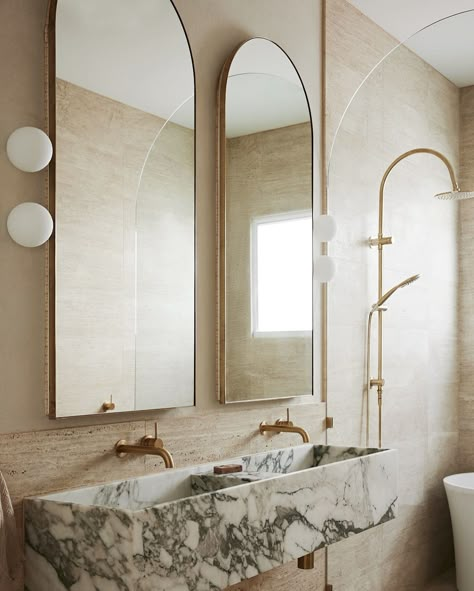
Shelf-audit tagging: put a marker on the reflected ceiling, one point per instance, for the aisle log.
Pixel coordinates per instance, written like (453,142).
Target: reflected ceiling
(401,18)
(119,56)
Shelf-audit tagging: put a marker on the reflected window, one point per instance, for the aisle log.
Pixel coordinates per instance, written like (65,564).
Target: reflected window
(282,268)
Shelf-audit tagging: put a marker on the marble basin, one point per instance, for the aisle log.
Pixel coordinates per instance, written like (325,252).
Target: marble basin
(190,530)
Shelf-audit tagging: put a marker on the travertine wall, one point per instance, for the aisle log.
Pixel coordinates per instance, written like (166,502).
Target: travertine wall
(267,173)
(405,104)
(466,286)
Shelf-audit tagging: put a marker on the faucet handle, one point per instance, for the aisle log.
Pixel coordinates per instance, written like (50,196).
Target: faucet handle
(108,405)
(151,441)
(286,422)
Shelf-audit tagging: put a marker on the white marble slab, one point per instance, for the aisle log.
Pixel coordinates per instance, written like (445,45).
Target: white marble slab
(152,534)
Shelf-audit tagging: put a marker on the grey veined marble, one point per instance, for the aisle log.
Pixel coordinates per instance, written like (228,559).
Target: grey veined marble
(190,530)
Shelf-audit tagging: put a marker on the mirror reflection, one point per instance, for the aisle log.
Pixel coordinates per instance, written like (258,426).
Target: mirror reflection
(164,299)
(265,225)
(124,199)
(408,194)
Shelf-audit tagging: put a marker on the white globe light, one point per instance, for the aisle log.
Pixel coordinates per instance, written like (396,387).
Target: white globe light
(30,224)
(325,228)
(29,149)
(324,269)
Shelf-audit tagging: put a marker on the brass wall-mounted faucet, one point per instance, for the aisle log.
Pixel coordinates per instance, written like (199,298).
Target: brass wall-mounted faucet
(284,426)
(148,445)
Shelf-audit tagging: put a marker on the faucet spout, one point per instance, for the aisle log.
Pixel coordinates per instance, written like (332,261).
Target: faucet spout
(122,448)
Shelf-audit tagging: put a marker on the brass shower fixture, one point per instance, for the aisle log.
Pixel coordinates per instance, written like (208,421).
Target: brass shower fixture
(380,241)
(379,382)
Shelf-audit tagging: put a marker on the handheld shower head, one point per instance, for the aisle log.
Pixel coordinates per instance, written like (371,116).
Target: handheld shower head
(390,292)
(456,195)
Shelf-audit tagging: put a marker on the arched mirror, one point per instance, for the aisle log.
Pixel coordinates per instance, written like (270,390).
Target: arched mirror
(265,219)
(121,97)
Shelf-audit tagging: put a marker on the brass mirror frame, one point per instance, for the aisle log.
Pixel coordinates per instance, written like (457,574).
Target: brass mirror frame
(50,199)
(50,262)
(221,356)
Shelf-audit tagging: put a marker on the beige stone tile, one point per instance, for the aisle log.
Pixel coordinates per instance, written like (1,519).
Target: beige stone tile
(280,578)
(466,411)
(405,418)
(354,564)
(466,453)
(442,403)
(446,582)
(441,460)
(46,461)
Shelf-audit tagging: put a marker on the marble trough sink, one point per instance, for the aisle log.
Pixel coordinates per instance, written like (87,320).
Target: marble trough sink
(189,530)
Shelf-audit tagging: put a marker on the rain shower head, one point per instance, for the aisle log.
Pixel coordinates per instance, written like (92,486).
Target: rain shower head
(390,292)
(456,195)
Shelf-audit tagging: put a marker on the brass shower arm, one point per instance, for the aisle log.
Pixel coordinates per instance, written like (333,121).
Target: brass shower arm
(442,157)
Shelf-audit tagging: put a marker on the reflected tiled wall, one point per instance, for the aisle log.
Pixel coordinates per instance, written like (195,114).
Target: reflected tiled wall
(267,173)
(126,197)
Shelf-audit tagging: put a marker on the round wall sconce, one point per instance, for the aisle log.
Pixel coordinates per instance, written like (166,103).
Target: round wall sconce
(325,228)
(29,149)
(30,224)
(324,268)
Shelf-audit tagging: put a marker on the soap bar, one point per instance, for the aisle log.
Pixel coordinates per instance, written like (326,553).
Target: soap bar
(227,469)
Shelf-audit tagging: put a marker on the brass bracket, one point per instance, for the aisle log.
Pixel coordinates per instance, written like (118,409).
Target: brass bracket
(375,382)
(306,562)
(150,441)
(120,443)
(329,422)
(287,422)
(108,405)
(383,241)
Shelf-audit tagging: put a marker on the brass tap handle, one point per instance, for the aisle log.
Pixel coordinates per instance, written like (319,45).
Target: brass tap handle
(151,441)
(287,423)
(108,405)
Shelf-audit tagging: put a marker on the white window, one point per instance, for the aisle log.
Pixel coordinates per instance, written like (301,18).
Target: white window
(282,272)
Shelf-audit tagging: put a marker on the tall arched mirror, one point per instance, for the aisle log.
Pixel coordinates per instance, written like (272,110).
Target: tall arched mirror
(265,219)
(121,96)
